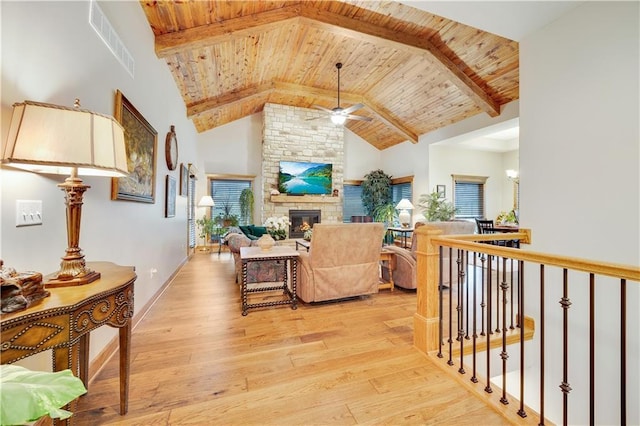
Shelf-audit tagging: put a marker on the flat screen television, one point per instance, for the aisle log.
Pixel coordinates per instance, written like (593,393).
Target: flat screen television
(302,178)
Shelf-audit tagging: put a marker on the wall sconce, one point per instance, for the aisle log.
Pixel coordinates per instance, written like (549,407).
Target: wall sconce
(46,138)
(513,175)
(404,216)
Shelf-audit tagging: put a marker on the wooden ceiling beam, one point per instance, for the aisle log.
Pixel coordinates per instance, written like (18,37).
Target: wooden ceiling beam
(365,31)
(207,35)
(228,99)
(387,118)
(283,88)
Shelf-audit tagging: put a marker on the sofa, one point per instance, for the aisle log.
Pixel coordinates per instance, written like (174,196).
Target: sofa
(405,273)
(342,261)
(253,232)
(270,271)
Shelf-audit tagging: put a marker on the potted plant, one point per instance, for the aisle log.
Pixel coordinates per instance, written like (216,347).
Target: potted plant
(436,209)
(387,214)
(246,206)
(207,227)
(226,218)
(376,191)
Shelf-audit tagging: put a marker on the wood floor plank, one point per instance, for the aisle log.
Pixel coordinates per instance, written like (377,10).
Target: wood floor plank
(197,360)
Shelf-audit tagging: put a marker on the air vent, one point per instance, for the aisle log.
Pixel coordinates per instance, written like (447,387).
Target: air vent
(103,27)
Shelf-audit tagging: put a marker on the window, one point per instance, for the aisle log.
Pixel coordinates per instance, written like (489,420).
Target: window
(352,196)
(401,190)
(226,195)
(352,201)
(469,196)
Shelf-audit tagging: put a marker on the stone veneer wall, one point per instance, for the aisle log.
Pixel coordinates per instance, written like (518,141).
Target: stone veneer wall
(289,135)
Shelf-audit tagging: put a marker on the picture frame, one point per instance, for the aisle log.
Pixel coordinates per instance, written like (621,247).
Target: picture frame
(170,197)
(441,190)
(184,180)
(141,141)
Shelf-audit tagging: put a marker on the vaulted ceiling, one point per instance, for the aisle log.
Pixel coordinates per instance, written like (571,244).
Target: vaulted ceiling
(415,72)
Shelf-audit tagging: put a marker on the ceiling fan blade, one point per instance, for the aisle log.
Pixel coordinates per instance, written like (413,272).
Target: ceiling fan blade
(321,108)
(358,117)
(352,108)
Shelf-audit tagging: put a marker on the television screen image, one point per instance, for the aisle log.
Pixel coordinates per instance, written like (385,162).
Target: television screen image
(301,178)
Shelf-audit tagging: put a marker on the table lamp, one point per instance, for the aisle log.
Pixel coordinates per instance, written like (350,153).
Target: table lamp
(404,216)
(47,138)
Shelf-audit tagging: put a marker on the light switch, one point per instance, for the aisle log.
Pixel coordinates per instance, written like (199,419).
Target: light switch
(28,212)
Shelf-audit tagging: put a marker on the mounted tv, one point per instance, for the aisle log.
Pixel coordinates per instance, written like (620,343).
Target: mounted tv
(302,178)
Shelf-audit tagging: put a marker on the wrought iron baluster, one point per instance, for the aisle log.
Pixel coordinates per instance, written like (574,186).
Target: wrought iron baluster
(521,411)
(440,303)
(542,316)
(592,344)
(487,388)
(504,286)
(460,309)
(565,303)
(512,292)
(497,294)
(474,379)
(450,361)
(623,352)
(483,305)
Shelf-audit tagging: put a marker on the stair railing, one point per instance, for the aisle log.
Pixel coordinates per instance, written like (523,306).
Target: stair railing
(482,309)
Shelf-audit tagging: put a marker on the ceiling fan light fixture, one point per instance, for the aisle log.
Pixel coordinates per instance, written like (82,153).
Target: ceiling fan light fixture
(338,119)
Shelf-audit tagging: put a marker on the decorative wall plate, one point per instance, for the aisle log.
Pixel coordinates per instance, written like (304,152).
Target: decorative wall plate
(171,149)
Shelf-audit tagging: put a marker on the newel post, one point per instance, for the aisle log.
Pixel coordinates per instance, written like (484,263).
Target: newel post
(425,320)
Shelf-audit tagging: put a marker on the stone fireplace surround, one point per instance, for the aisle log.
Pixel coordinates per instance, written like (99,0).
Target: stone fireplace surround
(289,134)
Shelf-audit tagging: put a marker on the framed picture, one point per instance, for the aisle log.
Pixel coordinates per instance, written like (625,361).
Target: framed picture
(184,180)
(140,140)
(170,197)
(441,190)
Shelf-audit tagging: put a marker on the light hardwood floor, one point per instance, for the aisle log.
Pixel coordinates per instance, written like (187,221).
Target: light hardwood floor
(197,360)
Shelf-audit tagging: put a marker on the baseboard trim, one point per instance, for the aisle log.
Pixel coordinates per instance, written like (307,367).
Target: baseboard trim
(98,363)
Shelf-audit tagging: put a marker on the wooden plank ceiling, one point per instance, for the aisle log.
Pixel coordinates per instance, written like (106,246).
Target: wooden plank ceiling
(415,72)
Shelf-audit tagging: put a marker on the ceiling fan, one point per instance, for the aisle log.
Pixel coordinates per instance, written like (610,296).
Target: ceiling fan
(339,115)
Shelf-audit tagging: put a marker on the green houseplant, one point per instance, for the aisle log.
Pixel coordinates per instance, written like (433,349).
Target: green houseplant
(246,206)
(376,191)
(436,209)
(207,226)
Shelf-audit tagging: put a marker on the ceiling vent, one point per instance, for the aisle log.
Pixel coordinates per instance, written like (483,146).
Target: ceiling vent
(103,27)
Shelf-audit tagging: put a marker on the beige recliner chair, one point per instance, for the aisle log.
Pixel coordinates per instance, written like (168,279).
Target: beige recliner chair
(342,261)
(405,273)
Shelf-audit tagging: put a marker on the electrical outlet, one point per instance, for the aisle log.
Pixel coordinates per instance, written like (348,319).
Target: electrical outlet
(28,212)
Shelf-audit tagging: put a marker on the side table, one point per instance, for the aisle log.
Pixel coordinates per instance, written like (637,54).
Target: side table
(255,254)
(63,321)
(390,258)
(404,232)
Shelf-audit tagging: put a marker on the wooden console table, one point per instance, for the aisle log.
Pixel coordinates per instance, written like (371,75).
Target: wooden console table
(63,321)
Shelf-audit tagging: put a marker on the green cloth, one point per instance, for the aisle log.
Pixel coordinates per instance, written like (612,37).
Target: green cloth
(258,231)
(28,395)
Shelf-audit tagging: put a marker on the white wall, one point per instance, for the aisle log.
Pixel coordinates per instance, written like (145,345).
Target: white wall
(580,183)
(51,54)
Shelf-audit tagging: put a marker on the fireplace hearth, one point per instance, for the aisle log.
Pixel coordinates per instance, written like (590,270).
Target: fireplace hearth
(300,217)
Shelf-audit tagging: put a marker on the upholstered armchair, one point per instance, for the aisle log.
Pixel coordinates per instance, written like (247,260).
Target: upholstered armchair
(405,273)
(342,261)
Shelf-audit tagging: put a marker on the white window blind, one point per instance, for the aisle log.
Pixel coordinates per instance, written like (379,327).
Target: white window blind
(469,196)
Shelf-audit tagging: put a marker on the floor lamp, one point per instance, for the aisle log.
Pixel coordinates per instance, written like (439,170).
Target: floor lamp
(47,138)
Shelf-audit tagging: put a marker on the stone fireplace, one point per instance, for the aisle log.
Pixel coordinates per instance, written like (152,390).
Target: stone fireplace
(300,134)
(300,217)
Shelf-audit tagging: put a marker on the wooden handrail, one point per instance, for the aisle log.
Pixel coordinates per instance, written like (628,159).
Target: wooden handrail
(468,242)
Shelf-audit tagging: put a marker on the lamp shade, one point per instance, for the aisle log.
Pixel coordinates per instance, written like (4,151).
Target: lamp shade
(47,138)
(206,201)
(404,204)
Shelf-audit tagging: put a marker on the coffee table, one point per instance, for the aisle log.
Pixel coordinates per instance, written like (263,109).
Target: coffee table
(255,254)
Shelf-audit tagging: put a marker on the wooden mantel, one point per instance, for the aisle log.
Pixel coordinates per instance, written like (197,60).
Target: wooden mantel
(304,199)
